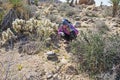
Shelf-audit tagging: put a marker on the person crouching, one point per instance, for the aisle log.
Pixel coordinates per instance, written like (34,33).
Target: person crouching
(67,31)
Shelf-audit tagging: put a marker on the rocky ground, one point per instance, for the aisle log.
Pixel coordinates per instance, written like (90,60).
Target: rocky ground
(15,66)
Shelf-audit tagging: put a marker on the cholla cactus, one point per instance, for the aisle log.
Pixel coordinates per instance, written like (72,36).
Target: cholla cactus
(4,36)
(48,10)
(20,21)
(17,24)
(7,35)
(10,33)
(44,27)
(90,7)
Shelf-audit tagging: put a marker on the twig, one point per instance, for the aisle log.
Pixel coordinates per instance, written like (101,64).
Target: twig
(1,70)
(9,63)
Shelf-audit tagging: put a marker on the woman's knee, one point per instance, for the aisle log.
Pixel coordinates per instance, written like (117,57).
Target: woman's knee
(73,35)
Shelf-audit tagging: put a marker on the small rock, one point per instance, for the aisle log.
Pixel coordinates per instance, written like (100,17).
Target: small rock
(49,75)
(64,61)
(103,19)
(56,78)
(114,25)
(84,18)
(91,7)
(54,11)
(50,53)
(113,19)
(90,20)
(58,68)
(40,7)
(77,18)
(84,24)
(31,75)
(77,24)
(55,75)
(71,70)
(1,9)
(109,18)
(52,56)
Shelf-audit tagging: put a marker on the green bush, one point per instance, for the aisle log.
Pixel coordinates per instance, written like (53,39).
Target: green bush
(36,2)
(107,12)
(101,27)
(66,10)
(96,53)
(52,17)
(16,3)
(70,12)
(63,7)
(29,11)
(1,16)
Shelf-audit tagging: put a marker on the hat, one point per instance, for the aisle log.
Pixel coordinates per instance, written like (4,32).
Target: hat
(64,22)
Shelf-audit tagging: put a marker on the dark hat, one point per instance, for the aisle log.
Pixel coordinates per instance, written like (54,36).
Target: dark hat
(64,22)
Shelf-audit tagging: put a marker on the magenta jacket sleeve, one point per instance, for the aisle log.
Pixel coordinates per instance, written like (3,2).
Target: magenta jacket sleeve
(60,29)
(74,29)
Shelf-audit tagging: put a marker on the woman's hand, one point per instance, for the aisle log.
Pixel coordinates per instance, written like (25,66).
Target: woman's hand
(61,33)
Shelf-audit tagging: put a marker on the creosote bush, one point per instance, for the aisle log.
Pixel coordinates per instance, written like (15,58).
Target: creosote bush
(96,53)
(1,16)
(67,10)
(22,10)
(63,7)
(107,12)
(53,18)
(70,12)
(15,3)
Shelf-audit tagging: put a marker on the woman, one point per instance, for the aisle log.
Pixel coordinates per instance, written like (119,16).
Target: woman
(67,31)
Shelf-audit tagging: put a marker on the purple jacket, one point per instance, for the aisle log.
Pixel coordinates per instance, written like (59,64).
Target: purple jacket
(71,27)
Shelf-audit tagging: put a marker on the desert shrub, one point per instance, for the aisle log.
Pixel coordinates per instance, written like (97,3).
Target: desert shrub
(101,27)
(36,2)
(115,5)
(119,10)
(1,15)
(21,8)
(91,14)
(70,12)
(96,53)
(32,47)
(8,4)
(15,3)
(29,11)
(17,9)
(63,7)
(40,32)
(52,17)
(26,11)
(107,12)
(112,48)
(33,26)
(3,1)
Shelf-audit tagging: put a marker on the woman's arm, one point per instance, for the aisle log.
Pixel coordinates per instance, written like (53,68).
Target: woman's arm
(60,29)
(73,29)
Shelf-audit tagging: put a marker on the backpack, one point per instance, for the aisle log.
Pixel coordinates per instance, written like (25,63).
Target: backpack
(67,20)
